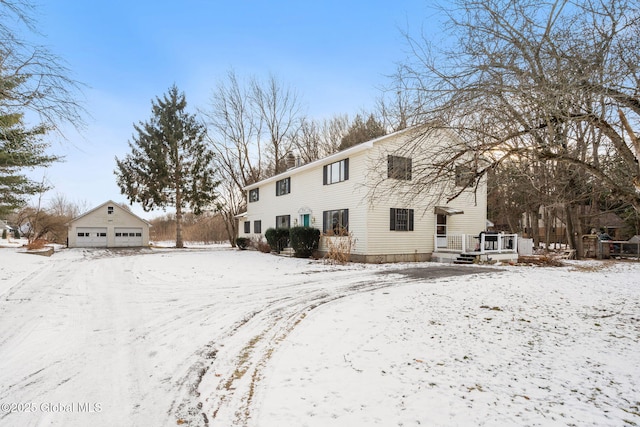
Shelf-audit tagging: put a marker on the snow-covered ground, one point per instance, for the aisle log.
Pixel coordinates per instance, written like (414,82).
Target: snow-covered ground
(220,337)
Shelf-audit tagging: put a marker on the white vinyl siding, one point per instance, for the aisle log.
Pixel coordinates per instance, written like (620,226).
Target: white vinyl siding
(369,220)
(111,221)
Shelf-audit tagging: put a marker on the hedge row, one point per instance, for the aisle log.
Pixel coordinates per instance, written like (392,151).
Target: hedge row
(303,240)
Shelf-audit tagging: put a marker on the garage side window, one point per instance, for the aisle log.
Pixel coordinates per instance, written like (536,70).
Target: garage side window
(109,210)
(82,234)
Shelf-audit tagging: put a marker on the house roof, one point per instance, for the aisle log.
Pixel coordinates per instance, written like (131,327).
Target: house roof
(331,158)
(112,203)
(608,219)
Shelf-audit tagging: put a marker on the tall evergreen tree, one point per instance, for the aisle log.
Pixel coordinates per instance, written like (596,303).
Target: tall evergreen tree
(34,80)
(361,131)
(20,148)
(169,164)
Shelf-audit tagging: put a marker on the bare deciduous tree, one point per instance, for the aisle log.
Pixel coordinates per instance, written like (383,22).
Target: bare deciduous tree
(251,128)
(279,112)
(46,86)
(317,139)
(535,82)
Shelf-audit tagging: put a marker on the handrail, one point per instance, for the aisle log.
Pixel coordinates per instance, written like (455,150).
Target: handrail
(483,243)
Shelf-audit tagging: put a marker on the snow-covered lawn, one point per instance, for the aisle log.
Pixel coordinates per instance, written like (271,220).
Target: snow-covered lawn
(220,337)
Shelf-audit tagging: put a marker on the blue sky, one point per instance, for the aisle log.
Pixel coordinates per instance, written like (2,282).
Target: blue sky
(335,54)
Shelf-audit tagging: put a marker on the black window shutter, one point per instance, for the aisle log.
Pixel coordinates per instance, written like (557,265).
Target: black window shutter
(345,218)
(410,219)
(346,169)
(392,222)
(325,221)
(324,175)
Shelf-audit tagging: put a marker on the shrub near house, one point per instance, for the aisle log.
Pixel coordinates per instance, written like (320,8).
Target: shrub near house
(304,240)
(278,238)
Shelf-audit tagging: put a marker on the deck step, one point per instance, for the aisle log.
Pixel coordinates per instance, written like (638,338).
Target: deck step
(465,259)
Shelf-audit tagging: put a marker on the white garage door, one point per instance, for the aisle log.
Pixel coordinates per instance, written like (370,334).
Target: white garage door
(129,236)
(91,237)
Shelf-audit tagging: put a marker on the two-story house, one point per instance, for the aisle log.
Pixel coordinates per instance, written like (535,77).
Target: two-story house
(356,191)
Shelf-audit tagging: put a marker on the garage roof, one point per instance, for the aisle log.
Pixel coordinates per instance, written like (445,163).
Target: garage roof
(109,203)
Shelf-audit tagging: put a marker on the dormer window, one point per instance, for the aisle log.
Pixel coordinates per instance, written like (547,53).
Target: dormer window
(109,210)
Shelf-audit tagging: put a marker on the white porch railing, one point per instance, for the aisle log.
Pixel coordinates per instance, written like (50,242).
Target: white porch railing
(485,243)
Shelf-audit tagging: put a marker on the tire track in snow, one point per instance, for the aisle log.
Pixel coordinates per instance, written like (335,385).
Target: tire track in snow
(223,382)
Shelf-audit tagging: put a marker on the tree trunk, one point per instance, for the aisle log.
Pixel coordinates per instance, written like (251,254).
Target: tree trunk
(229,225)
(573,229)
(179,242)
(548,223)
(535,226)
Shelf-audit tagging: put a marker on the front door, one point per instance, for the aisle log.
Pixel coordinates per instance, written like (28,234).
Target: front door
(305,220)
(441,230)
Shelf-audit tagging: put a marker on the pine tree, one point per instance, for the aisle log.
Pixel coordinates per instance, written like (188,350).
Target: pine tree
(20,148)
(361,131)
(169,164)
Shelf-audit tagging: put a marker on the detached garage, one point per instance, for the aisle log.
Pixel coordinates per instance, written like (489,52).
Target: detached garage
(108,226)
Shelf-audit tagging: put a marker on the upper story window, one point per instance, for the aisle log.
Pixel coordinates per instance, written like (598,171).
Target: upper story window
(109,210)
(401,220)
(336,172)
(464,176)
(254,195)
(283,186)
(399,167)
